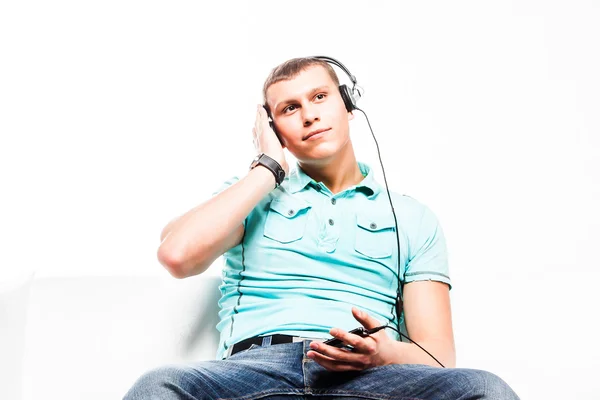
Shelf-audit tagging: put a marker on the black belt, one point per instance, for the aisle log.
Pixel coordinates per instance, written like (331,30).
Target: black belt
(258,340)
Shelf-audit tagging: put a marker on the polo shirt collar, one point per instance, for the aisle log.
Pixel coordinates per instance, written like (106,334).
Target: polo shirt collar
(298,180)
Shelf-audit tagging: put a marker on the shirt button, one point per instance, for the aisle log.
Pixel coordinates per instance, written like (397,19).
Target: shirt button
(291,212)
(333,201)
(330,221)
(373,225)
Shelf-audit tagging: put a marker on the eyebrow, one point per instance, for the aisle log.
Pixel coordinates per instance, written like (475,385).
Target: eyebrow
(309,94)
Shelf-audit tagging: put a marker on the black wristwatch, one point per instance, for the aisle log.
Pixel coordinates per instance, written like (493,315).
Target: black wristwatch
(271,165)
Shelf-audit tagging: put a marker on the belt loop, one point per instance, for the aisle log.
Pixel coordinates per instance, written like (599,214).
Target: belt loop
(266,341)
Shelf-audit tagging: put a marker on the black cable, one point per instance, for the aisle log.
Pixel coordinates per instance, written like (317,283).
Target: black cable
(370,331)
(399,305)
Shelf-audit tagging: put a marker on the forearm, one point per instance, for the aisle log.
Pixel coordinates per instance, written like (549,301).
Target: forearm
(261,178)
(409,353)
(201,235)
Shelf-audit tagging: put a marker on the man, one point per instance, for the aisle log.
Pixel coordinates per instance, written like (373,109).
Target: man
(312,257)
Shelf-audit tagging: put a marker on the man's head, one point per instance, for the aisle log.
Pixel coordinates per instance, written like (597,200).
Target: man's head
(302,96)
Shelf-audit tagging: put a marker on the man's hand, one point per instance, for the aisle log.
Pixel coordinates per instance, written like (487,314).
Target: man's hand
(371,351)
(265,139)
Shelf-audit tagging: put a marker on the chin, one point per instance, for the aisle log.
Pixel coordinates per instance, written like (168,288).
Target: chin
(322,150)
(320,153)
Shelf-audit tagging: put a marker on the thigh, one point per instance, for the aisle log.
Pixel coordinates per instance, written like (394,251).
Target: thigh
(408,381)
(255,373)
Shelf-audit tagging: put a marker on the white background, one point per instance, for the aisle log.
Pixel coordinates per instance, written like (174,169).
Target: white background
(116,116)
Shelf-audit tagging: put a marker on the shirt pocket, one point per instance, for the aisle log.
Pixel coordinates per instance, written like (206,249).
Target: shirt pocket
(375,234)
(286,219)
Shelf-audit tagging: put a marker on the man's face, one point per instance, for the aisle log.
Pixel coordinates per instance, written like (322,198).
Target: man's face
(309,102)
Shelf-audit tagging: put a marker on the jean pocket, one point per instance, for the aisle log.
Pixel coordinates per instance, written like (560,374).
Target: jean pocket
(375,233)
(286,219)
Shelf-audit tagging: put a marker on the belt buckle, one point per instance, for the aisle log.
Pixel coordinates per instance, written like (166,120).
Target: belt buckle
(302,339)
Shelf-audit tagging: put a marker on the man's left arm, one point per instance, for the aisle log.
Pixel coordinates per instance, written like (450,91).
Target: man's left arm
(429,323)
(426,313)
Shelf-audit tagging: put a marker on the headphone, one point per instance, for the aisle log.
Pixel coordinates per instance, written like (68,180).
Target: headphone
(349,96)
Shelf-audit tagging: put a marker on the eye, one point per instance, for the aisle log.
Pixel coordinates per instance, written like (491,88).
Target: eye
(288,108)
(320,96)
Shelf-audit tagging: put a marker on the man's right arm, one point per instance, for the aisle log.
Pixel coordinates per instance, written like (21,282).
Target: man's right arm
(192,242)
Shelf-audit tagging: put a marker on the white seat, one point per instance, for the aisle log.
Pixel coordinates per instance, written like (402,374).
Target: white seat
(91,337)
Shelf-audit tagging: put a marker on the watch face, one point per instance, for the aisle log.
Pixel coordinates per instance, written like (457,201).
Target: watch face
(255,161)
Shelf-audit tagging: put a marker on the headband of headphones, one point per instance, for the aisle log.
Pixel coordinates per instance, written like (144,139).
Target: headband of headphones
(350,96)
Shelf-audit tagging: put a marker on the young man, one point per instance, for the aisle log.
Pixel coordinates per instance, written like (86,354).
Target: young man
(312,257)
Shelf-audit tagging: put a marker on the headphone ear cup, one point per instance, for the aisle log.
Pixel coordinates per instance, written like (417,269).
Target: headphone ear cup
(347,97)
(272,125)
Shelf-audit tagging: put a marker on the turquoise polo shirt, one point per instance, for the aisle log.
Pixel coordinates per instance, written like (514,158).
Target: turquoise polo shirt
(308,256)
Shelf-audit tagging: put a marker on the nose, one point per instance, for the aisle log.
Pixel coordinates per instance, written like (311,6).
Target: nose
(310,114)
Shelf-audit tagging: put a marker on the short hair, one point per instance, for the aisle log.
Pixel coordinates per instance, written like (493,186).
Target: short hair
(291,68)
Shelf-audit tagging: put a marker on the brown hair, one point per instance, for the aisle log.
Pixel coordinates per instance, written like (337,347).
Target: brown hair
(291,68)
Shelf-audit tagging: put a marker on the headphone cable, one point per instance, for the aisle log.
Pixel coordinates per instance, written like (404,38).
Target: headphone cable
(399,306)
(370,331)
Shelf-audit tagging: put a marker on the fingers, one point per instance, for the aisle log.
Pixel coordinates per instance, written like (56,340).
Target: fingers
(365,353)
(334,365)
(364,318)
(258,129)
(258,122)
(360,344)
(261,118)
(262,111)
(333,353)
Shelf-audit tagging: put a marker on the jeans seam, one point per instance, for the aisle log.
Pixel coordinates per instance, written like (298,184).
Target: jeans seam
(264,393)
(361,394)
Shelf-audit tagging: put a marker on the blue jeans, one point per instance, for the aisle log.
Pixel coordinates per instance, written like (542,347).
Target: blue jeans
(284,371)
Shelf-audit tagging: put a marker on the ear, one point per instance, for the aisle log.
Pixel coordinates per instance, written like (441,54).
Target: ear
(350,116)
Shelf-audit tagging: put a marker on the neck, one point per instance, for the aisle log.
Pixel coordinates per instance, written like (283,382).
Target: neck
(337,173)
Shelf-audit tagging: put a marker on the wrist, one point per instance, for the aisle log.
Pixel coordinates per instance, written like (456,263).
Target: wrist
(271,165)
(409,353)
(264,175)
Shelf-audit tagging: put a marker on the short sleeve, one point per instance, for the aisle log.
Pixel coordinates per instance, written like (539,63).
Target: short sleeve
(229,182)
(429,257)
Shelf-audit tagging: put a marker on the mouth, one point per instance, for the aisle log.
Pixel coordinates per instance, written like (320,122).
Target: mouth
(316,132)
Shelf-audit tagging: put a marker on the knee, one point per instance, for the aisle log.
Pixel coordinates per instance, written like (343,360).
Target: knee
(485,385)
(159,383)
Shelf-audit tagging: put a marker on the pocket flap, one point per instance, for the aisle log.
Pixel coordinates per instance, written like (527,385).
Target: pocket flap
(375,221)
(290,206)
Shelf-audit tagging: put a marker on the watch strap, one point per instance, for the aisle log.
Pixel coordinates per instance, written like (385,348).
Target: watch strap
(271,165)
